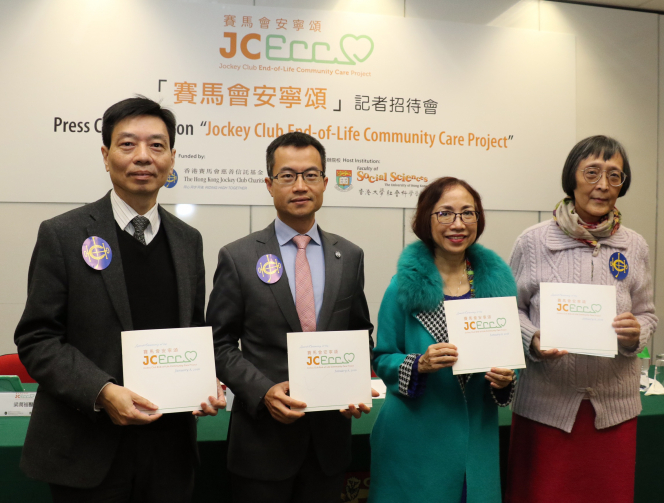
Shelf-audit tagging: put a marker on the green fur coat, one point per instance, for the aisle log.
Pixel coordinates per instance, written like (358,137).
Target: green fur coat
(423,446)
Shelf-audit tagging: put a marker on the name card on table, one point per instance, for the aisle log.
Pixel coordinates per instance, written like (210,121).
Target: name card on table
(17,403)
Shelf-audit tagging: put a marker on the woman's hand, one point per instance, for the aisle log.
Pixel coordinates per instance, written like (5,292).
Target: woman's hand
(436,357)
(628,329)
(499,378)
(549,354)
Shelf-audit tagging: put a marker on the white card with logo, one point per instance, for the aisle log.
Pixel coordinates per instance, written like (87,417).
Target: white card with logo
(329,370)
(173,368)
(487,334)
(578,318)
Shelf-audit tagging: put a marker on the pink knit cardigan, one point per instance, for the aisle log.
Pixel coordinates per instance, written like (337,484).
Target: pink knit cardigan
(550,391)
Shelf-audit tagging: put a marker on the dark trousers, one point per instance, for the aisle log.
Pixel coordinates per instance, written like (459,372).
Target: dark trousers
(150,465)
(309,484)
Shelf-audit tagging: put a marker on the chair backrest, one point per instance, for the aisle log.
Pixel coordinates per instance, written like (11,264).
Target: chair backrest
(11,365)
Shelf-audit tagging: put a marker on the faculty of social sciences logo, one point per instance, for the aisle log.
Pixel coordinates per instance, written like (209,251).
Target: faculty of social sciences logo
(352,49)
(344,180)
(575,306)
(172,180)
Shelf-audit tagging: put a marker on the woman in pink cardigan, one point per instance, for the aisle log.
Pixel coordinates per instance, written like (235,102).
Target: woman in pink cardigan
(574,423)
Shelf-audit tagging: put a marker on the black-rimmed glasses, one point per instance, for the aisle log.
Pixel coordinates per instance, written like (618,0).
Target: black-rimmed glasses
(310,177)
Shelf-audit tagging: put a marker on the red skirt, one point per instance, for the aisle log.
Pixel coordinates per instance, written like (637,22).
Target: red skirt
(587,465)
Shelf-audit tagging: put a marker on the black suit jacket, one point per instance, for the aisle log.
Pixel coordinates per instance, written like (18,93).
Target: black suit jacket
(244,308)
(69,339)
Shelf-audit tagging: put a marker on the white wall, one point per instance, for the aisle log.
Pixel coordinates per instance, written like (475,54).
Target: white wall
(618,81)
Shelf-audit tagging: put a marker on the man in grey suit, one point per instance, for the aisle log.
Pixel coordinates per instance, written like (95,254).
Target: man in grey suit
(121,263)
(276,454)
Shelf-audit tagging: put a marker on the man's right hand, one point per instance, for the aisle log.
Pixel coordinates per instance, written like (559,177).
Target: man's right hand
(120,404)
(549,354)
(278,403)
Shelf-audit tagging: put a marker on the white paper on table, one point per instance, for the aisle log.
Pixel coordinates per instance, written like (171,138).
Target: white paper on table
(329,370)
(655,388)
(173,368)
(486,332)
(578,318)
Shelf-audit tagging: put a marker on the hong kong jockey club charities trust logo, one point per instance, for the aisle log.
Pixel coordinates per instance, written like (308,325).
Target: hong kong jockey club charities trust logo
(172,180)
(97,253)
(269,268)
(344,180)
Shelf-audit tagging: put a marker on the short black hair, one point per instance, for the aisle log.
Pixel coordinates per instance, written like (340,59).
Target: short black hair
(135,107)
(293,139)
(594,146)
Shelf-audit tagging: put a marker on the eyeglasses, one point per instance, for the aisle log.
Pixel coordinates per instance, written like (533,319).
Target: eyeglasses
(615,177)
(310,177)
(447,217)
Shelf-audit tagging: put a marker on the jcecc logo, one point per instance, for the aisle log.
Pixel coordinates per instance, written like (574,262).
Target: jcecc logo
(330,360)
(277,49)
(484,324)
(161,359)
(575,306)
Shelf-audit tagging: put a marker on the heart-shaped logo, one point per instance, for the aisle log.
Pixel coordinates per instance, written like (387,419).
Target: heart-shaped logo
(349,357)
(357,47)
(501,322)
(596,308)
(190,355)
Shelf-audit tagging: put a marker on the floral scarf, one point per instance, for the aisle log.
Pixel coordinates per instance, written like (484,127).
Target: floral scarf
(569,222)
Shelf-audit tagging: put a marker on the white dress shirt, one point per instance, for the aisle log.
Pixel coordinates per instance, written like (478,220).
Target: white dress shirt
(124,214)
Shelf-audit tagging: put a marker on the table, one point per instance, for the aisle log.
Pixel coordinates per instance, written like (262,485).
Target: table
(212,476)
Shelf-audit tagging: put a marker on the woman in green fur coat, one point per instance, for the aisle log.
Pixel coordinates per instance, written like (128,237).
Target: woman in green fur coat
(436,437)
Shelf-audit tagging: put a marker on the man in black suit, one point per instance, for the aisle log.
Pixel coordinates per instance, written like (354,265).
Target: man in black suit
(276,454)
(121,263)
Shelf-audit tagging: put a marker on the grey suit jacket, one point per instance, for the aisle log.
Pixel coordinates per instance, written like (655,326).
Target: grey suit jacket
(243,308)
(69,339)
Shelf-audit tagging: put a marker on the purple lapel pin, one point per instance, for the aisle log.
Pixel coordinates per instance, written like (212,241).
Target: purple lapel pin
(97,253)
(269,268)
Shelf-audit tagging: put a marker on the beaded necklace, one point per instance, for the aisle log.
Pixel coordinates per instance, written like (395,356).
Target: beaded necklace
(470,274)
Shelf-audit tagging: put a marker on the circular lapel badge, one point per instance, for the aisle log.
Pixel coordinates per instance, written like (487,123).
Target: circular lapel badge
(172,180)
(618,265)
(97,253)
(269,268)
